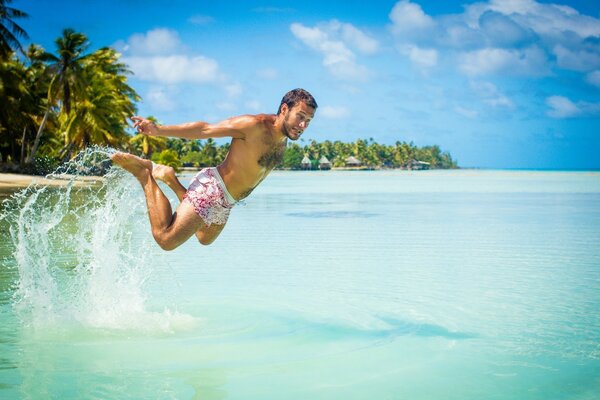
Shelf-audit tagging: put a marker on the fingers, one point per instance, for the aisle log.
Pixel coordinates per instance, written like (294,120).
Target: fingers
(137,121)
(140,123)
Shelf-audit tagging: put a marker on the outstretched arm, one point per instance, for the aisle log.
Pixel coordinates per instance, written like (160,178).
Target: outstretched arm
(233,127)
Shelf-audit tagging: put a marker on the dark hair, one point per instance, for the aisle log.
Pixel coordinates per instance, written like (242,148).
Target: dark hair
(295,96)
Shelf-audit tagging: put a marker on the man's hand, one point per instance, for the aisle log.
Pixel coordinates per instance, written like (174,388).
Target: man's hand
(145,126)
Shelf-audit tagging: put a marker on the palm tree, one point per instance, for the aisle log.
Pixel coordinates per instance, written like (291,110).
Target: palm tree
(208,152)
(38,81)
(13,95)
(99,116)
(10,31)
(66,73)
(222,152)
(189,146)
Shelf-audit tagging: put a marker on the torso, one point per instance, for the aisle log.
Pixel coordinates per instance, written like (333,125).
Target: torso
(251,159)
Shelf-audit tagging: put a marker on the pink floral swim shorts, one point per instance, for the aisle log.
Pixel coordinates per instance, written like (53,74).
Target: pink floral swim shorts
(209,197)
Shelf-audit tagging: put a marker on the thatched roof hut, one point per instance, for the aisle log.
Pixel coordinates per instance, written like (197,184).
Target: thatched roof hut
(324,163)
(352,162)
(418,165)
(305,163)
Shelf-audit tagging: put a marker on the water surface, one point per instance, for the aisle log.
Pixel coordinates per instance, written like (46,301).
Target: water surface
(324,285)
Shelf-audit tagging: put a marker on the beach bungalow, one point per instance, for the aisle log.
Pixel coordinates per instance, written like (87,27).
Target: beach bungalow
(324,163)
(305,163)
(418,165)
(352,162)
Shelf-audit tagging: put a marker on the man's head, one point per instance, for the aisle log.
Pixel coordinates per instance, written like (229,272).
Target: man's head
(297,109)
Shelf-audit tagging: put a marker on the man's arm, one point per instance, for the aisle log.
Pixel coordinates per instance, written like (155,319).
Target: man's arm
(235,127)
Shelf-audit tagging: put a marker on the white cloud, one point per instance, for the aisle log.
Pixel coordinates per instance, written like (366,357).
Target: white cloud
(331,40)
(594,78)
(155,42)
(577,60)
(159,56)
(531,61)
(407,17)
(520,37)
(358,39)
(509,6)
(425,58)
(550,18)
(174,69)
(490,94)
(334,112)
(562,107)
(500,30)
(544,19)
(161,98)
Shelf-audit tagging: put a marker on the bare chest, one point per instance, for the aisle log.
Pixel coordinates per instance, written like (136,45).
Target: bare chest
(271,156)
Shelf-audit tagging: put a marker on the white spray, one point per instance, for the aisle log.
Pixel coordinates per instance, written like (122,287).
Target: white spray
(83,252)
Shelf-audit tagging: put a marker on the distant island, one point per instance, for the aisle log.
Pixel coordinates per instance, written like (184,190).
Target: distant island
(365,154)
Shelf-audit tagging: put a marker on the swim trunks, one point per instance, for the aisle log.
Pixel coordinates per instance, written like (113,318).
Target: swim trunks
(209,197)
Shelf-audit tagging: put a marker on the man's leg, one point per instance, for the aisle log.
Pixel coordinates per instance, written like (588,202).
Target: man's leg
(169,230)
(206,234)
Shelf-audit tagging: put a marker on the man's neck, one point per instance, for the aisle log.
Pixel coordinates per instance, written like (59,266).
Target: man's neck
(278,129)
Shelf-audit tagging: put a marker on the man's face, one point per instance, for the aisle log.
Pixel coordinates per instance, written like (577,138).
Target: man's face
(297,120)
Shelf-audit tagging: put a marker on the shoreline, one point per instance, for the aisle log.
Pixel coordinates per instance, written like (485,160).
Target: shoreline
(10,180)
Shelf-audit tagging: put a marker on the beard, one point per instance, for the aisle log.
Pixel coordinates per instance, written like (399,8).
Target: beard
(287,131)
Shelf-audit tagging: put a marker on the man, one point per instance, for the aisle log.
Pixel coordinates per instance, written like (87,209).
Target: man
(257,146)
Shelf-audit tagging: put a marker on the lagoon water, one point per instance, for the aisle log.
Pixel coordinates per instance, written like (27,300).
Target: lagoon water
(462,284)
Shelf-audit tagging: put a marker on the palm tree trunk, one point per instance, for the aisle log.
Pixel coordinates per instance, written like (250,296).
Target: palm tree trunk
(22,159)
(36,142)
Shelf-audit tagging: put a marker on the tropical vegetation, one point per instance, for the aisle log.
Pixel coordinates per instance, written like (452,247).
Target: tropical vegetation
(56,103)
(369,153)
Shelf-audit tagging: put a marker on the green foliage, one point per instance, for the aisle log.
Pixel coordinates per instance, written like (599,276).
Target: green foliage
(10,31)
(167,157)
(192,159)
(292,158)
(370,153)
(145,145)
(56,104)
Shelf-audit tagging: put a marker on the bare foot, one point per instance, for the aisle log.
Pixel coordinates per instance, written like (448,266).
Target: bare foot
(139,167)
(163,173)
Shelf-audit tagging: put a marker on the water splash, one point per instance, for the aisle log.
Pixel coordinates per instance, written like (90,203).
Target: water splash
(82,250)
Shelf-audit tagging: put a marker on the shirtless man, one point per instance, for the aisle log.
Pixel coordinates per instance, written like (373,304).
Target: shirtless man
(257,146)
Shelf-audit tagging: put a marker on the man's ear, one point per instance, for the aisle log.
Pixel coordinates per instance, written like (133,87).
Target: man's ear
(284,109)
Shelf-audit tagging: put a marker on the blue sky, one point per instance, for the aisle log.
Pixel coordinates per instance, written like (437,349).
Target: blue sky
(498,84)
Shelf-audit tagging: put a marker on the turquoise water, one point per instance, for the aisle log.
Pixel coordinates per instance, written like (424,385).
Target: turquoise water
(326,285)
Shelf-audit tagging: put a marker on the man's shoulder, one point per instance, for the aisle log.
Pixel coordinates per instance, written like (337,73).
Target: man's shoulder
(253,119)
(264,118)
(258,122)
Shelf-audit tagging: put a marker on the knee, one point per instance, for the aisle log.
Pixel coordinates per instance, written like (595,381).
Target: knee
(206,241)
(165,243)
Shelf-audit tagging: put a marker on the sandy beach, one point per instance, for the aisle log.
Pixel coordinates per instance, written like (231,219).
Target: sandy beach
(20,180)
